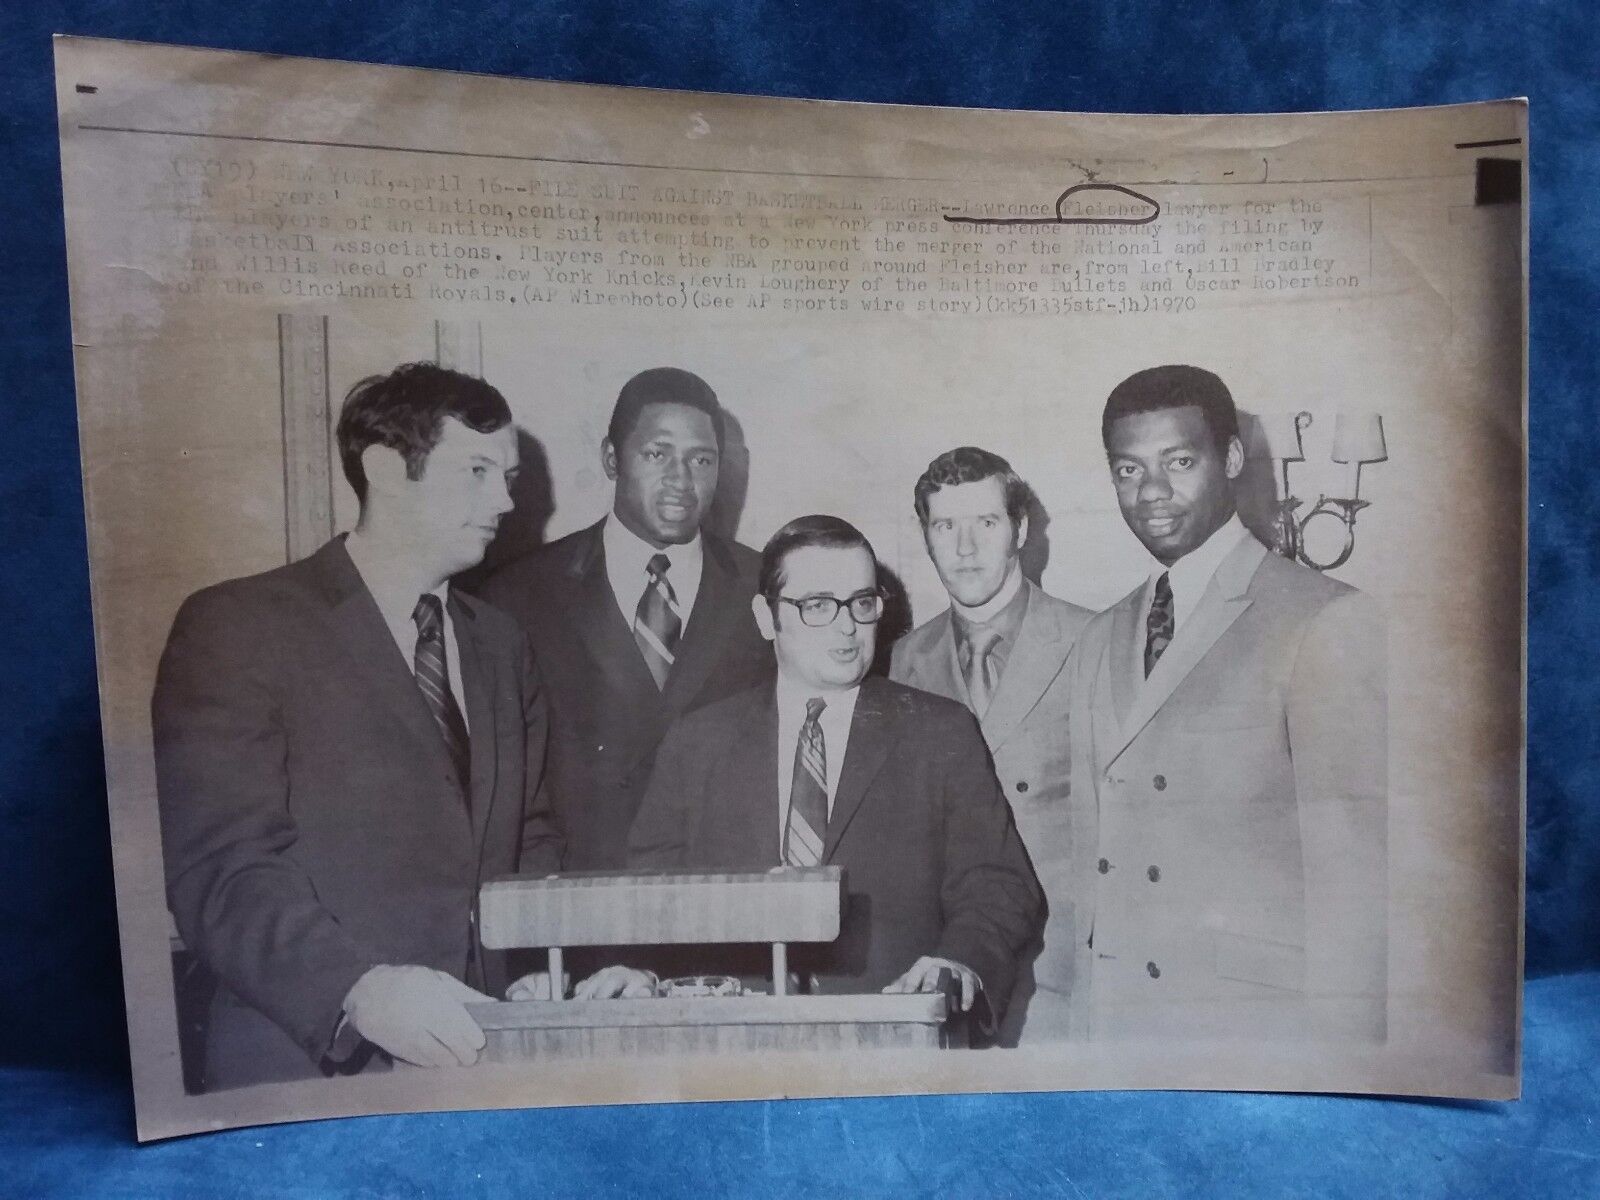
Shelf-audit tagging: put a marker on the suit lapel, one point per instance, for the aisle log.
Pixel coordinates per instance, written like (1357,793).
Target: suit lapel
(716,607)
(930,659)
(478,682)
(1127,644)
(945,662)
(370,647)
(600,624)
(1033,662)
(749,820)
(871,737)
(1223,603)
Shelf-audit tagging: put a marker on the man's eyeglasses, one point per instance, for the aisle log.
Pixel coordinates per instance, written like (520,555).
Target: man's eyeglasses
(817,611)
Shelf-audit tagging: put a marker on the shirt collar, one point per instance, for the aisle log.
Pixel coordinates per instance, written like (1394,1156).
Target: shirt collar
(792,697)
(1003,612)
(628,554)
(1191,573)
(394,599)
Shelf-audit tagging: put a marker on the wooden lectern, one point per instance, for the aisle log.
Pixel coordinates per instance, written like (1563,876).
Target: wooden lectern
(784,905)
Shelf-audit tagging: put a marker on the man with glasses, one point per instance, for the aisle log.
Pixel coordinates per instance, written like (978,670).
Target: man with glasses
(828,766)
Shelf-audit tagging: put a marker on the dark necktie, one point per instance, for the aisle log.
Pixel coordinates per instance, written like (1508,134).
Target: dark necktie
(433,679)
(1158,625)
(656,624)
(808,795)
(980,670)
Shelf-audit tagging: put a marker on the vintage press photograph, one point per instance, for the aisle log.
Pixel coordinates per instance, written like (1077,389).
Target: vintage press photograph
(608,595)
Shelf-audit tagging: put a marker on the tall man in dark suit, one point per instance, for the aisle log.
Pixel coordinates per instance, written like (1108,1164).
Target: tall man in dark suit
(1229,726)
(999,649)
(826,766)
(635,620)
(345,747)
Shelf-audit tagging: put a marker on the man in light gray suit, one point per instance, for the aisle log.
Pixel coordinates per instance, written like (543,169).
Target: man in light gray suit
(999,649)
(1230,755)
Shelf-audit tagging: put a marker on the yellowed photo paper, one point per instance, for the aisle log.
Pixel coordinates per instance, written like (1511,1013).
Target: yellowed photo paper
(618,595)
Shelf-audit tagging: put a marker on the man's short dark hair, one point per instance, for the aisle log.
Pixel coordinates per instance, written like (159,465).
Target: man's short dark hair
(969,464)
(661,385)
(1157,388)
(404,411)
(830,533)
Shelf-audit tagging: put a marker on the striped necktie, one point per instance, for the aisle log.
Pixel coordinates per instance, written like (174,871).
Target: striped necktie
(1158,625)
(433,680)
(656,624)
(808,796)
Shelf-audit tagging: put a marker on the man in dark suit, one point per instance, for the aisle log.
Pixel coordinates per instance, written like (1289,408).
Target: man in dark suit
(999,649)
(345,747)
(827,766)
(1229,755)
(635,620)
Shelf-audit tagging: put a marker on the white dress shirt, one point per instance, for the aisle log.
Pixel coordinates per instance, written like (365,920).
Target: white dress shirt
(396,604)
(1189,577)
(628,559)
(835,721)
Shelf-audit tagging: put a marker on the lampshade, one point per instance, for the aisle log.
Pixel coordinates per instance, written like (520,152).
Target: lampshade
(1358,438)
(1277,435)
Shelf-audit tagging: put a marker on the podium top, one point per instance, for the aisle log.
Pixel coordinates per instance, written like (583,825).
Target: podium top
(659,908)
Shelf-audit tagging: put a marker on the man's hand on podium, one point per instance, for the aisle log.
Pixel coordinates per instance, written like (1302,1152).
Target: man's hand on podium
(417,1014)
(924,977)
(535,985)
(617,983)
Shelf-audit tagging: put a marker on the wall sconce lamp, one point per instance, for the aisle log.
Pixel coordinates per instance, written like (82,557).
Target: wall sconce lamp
(1357,439)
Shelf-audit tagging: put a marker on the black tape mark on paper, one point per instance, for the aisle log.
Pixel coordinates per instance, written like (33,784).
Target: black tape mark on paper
(1499,181)
(86,89)
(1061,219)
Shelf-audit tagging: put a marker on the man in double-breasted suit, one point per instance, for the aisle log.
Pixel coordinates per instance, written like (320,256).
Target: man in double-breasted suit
(999,649)
(827,766)
(345,746)
(637,619)
(1229,760)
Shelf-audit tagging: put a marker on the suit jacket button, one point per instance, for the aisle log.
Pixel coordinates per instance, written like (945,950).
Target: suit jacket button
(1105,867)
(1160,782)
(1155,971)
(1022,785)
(1154,874)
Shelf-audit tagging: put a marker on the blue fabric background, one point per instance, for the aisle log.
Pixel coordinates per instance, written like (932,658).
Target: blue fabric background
(66,1127)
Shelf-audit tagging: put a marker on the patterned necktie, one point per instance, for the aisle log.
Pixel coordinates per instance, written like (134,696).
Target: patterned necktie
(980,670)
(1158,625)
(433,678)
(656,624)
(808,795)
